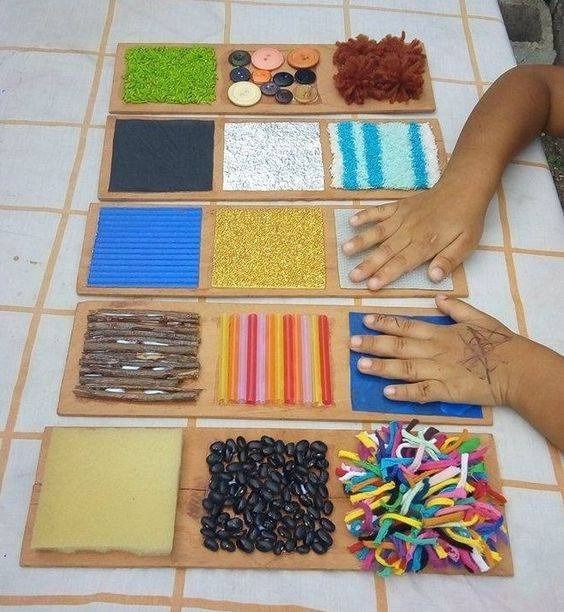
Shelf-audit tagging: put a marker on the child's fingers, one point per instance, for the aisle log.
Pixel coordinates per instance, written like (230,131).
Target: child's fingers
(420,392)
(376,233)
(411,370)
(458,310)
(392,346)
(373,214)
(400,326)
(449,258)
(403,262)
(379,256)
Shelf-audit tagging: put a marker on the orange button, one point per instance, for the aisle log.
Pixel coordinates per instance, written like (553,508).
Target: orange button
(260,76)
(267,58)
(303,57)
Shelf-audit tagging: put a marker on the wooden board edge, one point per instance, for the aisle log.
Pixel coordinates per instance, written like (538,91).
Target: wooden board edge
(208,407)
(30,558)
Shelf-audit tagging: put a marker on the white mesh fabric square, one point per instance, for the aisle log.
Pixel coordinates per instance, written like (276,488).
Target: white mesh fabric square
(272,156)
(416,279)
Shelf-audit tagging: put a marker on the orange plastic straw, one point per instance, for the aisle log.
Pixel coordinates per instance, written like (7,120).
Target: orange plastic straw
(325,360)
(298,388)
(233,356)
(289,393)
(315,363)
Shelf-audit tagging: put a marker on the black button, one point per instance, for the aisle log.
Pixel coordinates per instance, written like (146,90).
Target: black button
(283,79)
(240,74)
(239,58)
(269,89)
(284,96)
(305,76)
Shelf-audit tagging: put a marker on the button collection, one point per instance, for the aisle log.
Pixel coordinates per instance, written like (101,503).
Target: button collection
(256,74)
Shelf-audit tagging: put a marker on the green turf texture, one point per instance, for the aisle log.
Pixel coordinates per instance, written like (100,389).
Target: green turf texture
(171,75)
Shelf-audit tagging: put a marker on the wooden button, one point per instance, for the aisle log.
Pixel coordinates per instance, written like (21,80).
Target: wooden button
(260,76)
(267,58)
(303,57)
(244,93)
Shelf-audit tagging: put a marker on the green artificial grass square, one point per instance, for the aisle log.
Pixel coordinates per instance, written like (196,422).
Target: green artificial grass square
(173,75)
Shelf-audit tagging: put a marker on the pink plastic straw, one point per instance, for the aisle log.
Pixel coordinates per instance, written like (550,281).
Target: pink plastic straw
(242,373)
(307,392)
(261,359)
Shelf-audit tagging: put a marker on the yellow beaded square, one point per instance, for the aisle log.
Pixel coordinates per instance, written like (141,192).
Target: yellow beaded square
(269,248)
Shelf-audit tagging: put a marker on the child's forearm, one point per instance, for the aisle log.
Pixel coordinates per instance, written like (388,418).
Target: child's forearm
(536,389)
(517,107)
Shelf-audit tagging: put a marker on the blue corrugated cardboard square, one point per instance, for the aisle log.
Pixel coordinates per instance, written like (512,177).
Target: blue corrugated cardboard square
(367,392)
(147,247)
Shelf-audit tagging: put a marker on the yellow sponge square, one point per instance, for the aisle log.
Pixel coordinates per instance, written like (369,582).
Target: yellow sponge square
(109,489)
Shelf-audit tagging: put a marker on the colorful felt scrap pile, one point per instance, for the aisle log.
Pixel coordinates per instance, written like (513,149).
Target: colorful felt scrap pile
(421,498)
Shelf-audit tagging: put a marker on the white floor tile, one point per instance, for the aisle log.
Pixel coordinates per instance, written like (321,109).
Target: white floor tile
(536,541)
(484,8)
(522,451)
(166,21)
(62,291)
(36,164)
(102,104)
(45,86)
(443,38)
(542,293)
(455,101)
(532,153)
(493,59)
(13,331)
(255,24)
(318,590)
(434,6)
(38,408)
(86,190)
(535,214)
(14,503)
(67,24)
(492,234)
(488,286)
(25,245)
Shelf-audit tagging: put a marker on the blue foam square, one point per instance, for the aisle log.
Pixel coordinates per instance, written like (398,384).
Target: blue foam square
(367,392)
(147,247)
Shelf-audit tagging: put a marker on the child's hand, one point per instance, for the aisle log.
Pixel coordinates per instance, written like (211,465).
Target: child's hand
(474,361)
(439,224)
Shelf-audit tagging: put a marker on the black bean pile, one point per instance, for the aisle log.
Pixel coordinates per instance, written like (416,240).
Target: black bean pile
(268,495)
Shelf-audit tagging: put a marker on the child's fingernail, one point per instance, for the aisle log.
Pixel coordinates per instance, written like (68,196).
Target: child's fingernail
(364,363)
(374,283)
(389,391)
(347,247)
(369,320)
(356,341)
(441,297)
(436,274)
(355,275)
(354,220)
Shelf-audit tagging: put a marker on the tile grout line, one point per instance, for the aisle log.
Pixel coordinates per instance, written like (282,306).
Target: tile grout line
(55,248)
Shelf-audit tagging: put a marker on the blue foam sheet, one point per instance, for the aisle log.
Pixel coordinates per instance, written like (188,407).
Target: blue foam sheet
(147,247)
(367,392)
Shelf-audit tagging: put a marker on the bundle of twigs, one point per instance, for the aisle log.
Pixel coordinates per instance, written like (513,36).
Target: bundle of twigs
(140,355)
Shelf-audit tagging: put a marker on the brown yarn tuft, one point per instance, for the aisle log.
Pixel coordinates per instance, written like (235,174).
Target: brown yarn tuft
(390,69)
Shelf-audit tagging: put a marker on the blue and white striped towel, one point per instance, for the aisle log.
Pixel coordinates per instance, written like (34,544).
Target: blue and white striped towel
(387,155)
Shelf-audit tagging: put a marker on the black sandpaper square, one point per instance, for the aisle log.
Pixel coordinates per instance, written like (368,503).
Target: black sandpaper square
(159,155)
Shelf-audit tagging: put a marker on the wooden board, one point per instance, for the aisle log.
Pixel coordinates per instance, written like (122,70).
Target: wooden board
(207,405)
(187,548)
(205,289)
(217,191)
(329,101)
